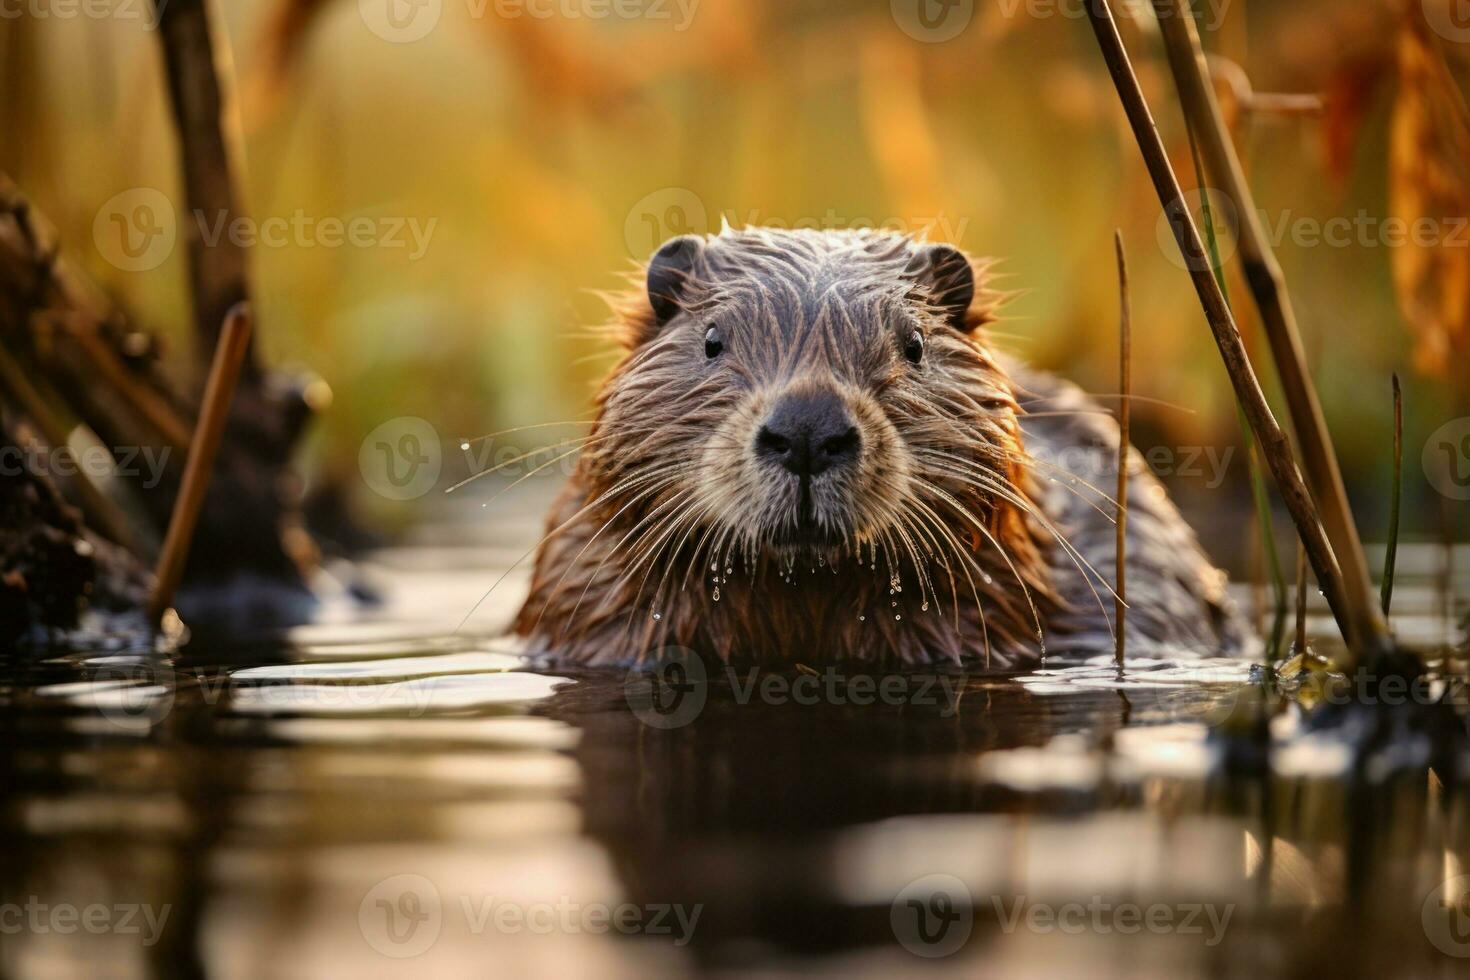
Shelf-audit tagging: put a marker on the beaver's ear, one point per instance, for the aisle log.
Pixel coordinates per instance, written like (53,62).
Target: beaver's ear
(947,278)
(669,272)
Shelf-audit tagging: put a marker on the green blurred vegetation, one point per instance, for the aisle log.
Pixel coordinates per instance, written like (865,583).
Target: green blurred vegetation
(540,146)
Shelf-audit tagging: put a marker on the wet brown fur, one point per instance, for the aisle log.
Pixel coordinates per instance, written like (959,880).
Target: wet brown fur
(944,541)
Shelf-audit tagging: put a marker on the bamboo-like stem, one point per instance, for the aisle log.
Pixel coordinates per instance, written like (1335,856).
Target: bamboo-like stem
(1358,619)
(1446,573)
(101,511)
(201,108)
(1125,392)
(1301,601)
(1390,557)
(229,357)
(1268,287)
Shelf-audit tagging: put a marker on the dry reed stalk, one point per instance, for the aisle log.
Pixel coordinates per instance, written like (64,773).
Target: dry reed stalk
(1125,391)
(1269,290)
(204,118)
(1301,600)
(1358,619)
(1390,558)
(219,390)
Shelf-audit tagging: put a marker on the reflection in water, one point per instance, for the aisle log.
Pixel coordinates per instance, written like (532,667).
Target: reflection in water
(376,797)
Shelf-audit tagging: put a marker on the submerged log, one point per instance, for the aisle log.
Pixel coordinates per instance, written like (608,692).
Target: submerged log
(94,370)
(53,569)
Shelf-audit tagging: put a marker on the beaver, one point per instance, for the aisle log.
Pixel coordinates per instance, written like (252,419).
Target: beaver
(811,452)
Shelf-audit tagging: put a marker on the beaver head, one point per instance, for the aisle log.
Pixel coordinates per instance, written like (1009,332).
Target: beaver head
(804,393)
(816,422)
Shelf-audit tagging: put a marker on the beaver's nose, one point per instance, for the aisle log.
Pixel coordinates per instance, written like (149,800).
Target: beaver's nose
(809,432)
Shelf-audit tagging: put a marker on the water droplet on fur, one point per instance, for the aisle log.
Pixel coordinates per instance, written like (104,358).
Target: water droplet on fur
(862,618)
(925,606)
(657,616)
(716,595)
(714,566)
(464,446)
(897,616)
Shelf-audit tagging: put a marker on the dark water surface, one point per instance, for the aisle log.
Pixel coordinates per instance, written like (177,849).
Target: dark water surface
(377,795)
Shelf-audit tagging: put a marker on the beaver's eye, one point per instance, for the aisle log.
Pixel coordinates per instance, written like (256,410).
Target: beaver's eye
(913,348)
(714,344)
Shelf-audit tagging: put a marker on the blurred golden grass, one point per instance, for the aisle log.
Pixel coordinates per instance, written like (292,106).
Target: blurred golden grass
(1429,164)
(529,142)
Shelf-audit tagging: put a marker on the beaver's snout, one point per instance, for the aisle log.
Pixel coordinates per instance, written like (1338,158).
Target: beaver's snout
(808,433)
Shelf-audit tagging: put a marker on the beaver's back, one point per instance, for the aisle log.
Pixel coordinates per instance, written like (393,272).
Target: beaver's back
(1177,598)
